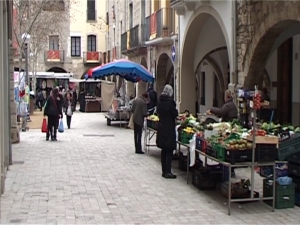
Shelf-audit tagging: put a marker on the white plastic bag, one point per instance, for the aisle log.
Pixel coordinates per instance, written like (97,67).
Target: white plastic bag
(192,150)
(69,111)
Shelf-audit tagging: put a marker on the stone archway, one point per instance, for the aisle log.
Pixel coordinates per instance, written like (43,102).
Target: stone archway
(142,85)
(164,72)
(57,70)
(200,43)
(268,25)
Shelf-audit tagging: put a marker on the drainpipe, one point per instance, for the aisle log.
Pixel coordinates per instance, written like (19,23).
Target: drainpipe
(178,81)
(234,40)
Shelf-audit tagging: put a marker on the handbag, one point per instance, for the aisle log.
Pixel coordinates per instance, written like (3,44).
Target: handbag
(44,128)
(130,124)
(61,126)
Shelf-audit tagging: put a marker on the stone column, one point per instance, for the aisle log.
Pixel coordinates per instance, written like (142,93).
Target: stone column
(14,130)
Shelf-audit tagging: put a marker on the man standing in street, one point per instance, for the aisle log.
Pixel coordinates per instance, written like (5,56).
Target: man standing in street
(139,110)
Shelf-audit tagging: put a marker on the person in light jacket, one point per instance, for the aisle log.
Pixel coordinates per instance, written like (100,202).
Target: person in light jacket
(166,134)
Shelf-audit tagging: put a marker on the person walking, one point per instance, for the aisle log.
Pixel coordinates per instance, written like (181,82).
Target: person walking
(53,110)
(139,110)
(75,98)
(68,107)
(166,134)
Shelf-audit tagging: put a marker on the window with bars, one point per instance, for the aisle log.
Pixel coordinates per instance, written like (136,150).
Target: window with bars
(92,43)
(91,10)
(75,46)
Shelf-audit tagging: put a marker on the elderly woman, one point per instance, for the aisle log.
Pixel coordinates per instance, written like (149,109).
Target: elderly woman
(166,135)
(228,111)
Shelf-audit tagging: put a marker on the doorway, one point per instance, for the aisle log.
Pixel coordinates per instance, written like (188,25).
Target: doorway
(284,80)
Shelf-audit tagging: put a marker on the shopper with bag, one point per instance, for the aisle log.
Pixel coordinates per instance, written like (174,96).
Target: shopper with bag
(166,133)
(53,110)
(68,107)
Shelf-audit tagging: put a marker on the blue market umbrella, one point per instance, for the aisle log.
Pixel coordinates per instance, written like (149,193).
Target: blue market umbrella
(129,70)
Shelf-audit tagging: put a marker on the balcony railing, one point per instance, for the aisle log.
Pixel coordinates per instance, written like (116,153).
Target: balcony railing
(162,23)
(91,57)
(134,38)
(54,56)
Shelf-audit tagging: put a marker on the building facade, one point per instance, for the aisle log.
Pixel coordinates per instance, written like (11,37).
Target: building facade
(234,44)
(149,30)
(87,38)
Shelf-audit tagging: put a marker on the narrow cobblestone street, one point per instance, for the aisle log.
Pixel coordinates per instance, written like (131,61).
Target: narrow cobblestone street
(92,176)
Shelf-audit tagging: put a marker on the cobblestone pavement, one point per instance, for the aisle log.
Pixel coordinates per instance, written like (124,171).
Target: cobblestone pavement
(85,178)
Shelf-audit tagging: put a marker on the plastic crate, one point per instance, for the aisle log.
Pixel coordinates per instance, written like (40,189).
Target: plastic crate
(220,151)
(185,137)
(201,144)
(297,198)
(182,163)
(205,179)
(266,152)
(149,123)
(284,195)
(289,147)
(294,169)
(234,156)
(294,158)
(296,181)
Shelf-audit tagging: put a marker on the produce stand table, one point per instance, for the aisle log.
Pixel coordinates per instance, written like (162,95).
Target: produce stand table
(248,164)
(93,101)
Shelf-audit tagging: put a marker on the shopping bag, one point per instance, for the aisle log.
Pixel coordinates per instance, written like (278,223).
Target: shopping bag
(44,128)
(130,124)
(61,126)
(69,111)
(23,109)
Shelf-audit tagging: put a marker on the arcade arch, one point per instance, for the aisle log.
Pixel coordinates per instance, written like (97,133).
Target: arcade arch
(275,53)
(57,70)
(205,58)
(165,72)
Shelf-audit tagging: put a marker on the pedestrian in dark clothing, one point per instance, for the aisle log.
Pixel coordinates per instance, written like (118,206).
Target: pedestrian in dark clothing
(40,100)
(53,110)
(139,110)
(74,99)
(152,100)
(166,134)
(68,107)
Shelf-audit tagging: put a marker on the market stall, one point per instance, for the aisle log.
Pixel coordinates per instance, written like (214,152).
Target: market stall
(94,95)
(120,109)
(230,145)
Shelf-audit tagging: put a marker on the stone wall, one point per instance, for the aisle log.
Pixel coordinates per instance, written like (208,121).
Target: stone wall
(258,26)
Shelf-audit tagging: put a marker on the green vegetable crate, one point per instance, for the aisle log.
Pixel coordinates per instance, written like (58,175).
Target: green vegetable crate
(284,195)
(186,137)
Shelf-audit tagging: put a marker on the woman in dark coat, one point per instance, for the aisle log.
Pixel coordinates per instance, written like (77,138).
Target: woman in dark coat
(166,134)
(53,110)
